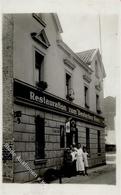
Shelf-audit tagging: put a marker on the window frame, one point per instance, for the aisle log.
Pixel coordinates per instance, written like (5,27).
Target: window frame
(38,141)
(35,49)
(86,97)
(68,87)
(70,74)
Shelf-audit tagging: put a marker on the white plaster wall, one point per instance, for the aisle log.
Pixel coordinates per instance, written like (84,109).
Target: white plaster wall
(24,66)
(24,24)
(78,86)
(54,67)
(93,90)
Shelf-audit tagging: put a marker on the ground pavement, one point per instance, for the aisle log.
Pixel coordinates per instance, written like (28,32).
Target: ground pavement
(100,175)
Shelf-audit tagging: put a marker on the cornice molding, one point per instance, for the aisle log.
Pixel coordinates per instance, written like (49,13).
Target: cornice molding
(39,19)
(69,52)
(70,64)
(87,78)
(56,19)
(41,38)
(98,87)
(23,98)
(61,45)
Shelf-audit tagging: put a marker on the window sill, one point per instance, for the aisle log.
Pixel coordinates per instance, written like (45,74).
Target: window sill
(69,98)
(42,85)
(99,111)
(40,161)
(86,106)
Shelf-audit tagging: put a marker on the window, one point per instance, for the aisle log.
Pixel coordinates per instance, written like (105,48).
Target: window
(86,96)
(98,104)
(68,85)
(96,69)
(88,140)
(39,138)
(39,59)
(62,136)
(98,141)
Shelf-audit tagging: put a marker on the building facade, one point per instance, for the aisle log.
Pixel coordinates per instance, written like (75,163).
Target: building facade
(52,97)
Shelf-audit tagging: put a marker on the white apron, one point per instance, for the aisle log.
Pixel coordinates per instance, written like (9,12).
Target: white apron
(79,161)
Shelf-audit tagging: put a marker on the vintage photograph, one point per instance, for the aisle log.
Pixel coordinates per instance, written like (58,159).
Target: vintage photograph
(59,106)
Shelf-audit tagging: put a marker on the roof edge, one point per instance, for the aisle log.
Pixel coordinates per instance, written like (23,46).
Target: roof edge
(100,58)
(75,56)
(57,21)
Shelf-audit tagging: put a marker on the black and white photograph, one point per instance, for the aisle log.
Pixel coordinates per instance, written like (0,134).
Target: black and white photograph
(60,97)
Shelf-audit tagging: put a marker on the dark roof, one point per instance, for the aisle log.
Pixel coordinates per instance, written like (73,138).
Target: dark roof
(86,56)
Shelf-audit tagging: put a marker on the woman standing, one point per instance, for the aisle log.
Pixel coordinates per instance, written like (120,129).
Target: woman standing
(74,153)
(79,161)
(85,155)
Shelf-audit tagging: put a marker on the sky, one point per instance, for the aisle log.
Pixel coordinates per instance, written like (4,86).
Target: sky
(81,31)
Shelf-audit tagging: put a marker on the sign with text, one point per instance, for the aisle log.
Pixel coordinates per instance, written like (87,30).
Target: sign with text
(28,94)
(68,127)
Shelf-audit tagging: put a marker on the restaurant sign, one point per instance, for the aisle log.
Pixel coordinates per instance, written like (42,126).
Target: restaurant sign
(29,94)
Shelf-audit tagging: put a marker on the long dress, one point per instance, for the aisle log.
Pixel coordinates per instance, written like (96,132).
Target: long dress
(73,170)
(79,161)
(85,155)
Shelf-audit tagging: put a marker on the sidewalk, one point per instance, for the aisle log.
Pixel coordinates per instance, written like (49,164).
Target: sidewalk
(92,172)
